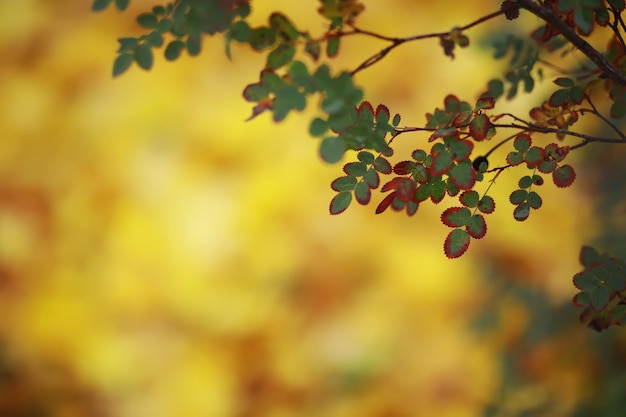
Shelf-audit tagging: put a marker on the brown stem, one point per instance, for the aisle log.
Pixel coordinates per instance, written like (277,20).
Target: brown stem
(546,14)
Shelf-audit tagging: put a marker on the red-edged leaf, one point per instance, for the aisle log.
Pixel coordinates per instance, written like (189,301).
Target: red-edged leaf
(534,156)
(485,103)
(462,118)
(365,109)
(422,193)
(411,208)
(442,162)
(556,152)
(547,166)
(521,212)
(522,142)
(382,165)
(372,178)
(404,167)
(469,198)
(461,149)
(363,193)
(341,184)
(406,190)
(514,158)
(477,227)
(340,202)
(443,132)
(382,114)
(382,206)
(452,103)
(589,256)
(437,191)
(456,216)
(564,176)
(480,127)
(456,243)
(581,299)
(487,205)
(355,169)
(599,297)
(463,176)
(393,184)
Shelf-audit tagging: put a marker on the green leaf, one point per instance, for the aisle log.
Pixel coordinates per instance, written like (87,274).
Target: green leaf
(318,127)
(382,165)
(340,202)
(346,183)
(313,49)
(599,297)
(534,200)
(476,226)
(155,39)
(564,82)
(143,56)
(362,193)
(280,56)
(147,20)
(442,162)
(461,149)
(194,45)
(564,176)
(521,212)
(99,5)
(585,281)
(534,156)
(173,50)
(518,196)
(456,243)
(332,47)
(332,149)
(487,205)
(127,44)
(463,175)
(371,178)
(522,142)
(240,31)
(282,25)
(121,4)
(525,182)
(469,198)
(589,256)
(262,38)
(122,63)
(559,97)
(618,110)
(481,127)
(456,216)
(366,157)
(396,120)
(356,169)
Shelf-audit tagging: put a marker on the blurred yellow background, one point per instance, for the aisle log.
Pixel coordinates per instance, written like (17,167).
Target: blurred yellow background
(160,257)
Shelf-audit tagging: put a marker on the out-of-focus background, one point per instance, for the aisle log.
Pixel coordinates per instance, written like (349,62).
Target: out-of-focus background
(161,257)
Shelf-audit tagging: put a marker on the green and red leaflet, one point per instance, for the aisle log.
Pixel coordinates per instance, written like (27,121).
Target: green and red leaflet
(564,176)
(456,243)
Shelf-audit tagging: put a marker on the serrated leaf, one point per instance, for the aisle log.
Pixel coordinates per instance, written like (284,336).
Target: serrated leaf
(469,198)
(332,149)
(404,167)
(525,182)
(546,166)
(564,176)
(405,189)
(372,178)
(518,196)
(534,156)
(522,142)
(585,281)
(346,183)
(442,162)
(382,165)
(534,200)
(463,175)
(363,193)
(456,216)
(356,169)
(476,226)
(437,191)
(599,297)
(382,114)
(514,158)
(461,149)
(581,299)
(340,202)
(521,212)
(456,243)
(480,127)
(487,205)
(366,157)
(122,63)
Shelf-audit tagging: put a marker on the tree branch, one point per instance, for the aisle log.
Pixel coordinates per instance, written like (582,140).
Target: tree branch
(546,14)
